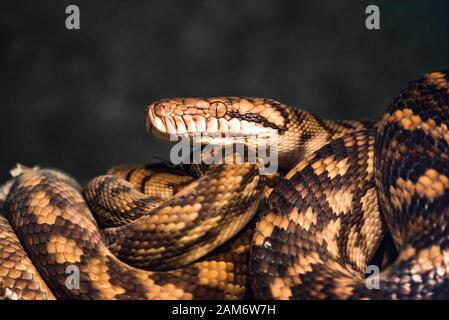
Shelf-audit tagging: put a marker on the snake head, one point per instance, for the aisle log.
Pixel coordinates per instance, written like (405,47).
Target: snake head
(223,117)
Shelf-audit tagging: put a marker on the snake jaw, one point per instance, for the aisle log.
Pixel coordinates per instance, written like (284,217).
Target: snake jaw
(211,121)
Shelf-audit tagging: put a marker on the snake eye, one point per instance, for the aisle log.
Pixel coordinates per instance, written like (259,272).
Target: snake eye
(217,109)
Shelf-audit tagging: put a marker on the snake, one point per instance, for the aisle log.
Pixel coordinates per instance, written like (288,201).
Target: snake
(226,231)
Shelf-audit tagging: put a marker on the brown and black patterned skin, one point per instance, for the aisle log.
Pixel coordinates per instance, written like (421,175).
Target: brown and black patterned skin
(300,132)
(349,183)
(52,221)
(117,203)
(201,217)
(17,271)
(323,223)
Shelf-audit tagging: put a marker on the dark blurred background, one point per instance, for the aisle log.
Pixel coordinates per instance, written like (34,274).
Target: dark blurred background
(75,99)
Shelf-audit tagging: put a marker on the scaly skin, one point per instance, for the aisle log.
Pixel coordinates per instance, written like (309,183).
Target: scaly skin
(57,230)
(318,233)
(320,227)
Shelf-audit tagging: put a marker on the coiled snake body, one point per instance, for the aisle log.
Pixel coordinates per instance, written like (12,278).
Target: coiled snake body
(159,233)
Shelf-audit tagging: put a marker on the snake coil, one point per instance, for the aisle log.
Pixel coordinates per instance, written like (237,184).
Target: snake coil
(156,232)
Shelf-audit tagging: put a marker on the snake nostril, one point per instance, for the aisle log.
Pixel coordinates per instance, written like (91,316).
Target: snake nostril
(161,110)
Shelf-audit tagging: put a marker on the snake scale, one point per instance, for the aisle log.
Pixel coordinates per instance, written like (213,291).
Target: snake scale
(161,232)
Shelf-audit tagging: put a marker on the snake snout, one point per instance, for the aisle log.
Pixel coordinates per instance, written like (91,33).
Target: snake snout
(222,120)
(155,113)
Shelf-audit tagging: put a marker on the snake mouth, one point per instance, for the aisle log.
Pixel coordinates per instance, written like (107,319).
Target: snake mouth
(210,123)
